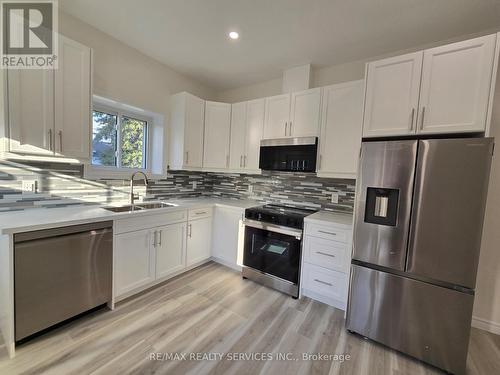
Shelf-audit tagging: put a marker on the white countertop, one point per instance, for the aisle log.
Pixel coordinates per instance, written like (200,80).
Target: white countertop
(46,218)
(322,217)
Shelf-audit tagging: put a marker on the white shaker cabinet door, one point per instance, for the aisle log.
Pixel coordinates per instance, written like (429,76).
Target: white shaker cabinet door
(193,131)
(238,133)
(226,230)
(342,119)
(455,89)
(31,111)
(170,249)
(72,100)
(305,113)
(277,116)
(217,129)
(254,130)
(134,261)
(199,240)
(391,97)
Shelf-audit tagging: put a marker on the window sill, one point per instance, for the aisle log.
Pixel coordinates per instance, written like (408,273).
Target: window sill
(93,172)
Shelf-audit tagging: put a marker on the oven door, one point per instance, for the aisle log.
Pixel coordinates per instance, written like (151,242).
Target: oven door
(272,249)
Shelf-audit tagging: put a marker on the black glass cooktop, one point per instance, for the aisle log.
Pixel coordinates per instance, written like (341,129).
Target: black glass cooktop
(279,215)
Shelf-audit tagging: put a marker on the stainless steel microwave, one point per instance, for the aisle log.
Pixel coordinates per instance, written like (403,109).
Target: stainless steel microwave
(289,154)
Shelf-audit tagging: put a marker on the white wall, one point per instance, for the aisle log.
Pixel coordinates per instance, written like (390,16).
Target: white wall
(487,304)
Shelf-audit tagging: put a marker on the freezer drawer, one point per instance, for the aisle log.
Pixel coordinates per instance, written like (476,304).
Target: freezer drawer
(425,321)
(60,273)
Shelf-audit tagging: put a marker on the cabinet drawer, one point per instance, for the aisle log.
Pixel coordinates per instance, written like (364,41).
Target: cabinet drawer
(149,221)
(331,284)
(327,232)
(198,213)
(326,253)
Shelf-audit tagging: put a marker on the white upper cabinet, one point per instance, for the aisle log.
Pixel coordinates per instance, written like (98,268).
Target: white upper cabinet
(277,116)
(72,100)
(456,80)
(445,89)
(247,122)
(238,134)
(187,117)
(217,132)
(254,130)
(305,113)
(391,98)
(31,111)
(341,127)
(49,111)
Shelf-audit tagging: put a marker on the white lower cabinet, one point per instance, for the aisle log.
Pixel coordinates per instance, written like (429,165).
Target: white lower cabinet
(170,249)
(199,240)
(325,263)
(226,246)
(134,261)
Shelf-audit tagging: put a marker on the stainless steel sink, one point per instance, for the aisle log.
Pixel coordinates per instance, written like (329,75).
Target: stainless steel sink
(139,207)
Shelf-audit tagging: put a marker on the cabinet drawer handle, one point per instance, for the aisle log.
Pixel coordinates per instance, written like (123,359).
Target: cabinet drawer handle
(325,232)
(322,253)
(200,213)
(323,282)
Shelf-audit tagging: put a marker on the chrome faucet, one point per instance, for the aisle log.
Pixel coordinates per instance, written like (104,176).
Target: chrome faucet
(132,196)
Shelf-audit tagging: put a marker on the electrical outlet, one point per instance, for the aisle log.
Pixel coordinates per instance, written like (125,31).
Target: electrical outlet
(194,185)
(335,197)
(29,186)
(250,189)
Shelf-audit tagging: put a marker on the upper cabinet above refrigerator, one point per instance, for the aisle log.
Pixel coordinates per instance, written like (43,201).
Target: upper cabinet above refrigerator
(445,89)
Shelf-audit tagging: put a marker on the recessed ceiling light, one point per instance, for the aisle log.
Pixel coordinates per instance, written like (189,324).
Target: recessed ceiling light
(234,35)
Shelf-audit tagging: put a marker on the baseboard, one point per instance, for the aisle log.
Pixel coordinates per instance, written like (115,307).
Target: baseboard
(486,325)
(226,263)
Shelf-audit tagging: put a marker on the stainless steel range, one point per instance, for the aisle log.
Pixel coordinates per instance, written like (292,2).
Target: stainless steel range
(273,245)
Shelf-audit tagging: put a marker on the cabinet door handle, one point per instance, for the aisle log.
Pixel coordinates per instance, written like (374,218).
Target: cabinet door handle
(290,129)
(412,117)
(325,232)
(60,141)
(244,161)
(286,125)
(50,140)
(325,254)
(320,160)
(190,230)
(323,282)
(422,122)
(187,157)
(159,242)
(154,238)
(227,161)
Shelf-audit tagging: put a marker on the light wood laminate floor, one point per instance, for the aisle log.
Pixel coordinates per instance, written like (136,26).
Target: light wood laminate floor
(212,310)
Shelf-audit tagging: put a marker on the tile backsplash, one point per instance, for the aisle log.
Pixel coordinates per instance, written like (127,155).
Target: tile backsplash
(63,184)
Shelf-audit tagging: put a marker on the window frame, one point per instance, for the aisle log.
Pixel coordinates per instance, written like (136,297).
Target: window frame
(118,110)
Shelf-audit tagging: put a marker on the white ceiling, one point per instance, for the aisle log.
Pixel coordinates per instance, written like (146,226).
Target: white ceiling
(191,35)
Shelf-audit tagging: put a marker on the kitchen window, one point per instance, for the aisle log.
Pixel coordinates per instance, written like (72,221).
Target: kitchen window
(119,140)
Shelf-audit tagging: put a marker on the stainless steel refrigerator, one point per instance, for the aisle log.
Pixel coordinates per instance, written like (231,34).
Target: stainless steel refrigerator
(417,233)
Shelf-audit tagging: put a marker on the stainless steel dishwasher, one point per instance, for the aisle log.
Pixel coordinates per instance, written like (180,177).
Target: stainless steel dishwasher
(60,273)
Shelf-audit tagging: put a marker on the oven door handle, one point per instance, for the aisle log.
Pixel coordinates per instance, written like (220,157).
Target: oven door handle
(297,233)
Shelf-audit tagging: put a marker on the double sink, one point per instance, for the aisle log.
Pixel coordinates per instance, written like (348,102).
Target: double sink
(139,207)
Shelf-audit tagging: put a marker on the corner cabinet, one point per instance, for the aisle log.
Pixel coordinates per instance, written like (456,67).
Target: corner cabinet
(217,134)
(187,118)
(247,123)
(341,127)
(49,110)
(445,89)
